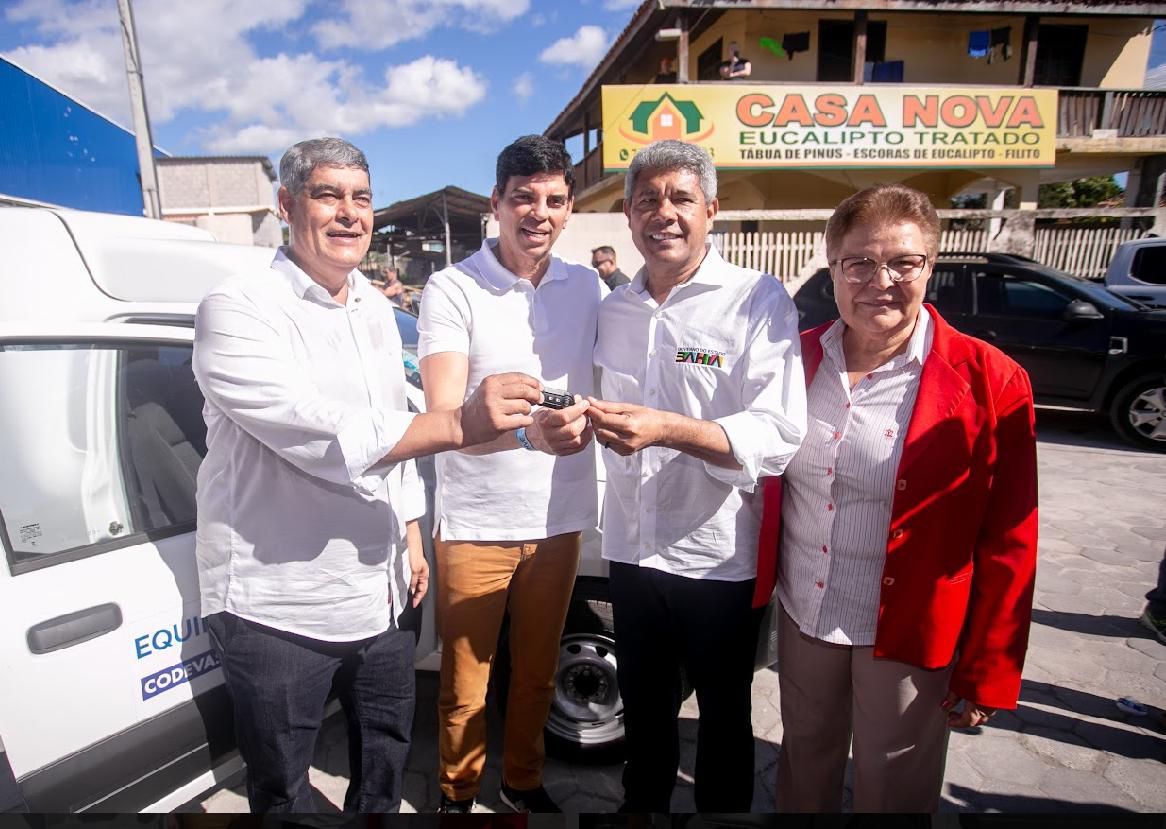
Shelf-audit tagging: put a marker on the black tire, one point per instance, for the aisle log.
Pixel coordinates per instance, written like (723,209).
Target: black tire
(1138,411)
(585,723)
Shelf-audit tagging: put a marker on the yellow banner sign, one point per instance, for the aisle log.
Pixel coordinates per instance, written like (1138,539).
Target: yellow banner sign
(769,126)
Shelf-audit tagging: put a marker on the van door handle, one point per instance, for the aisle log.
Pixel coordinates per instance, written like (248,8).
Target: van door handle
(73,628)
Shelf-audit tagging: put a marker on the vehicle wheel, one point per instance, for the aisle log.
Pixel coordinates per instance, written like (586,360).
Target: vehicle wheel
(1138,412)
(585,723)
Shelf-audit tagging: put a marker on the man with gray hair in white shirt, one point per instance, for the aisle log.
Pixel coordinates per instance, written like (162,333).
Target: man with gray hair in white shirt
(308,545)
(703,394)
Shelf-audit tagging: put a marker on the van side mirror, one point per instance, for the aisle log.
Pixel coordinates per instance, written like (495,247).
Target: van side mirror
(1079,309)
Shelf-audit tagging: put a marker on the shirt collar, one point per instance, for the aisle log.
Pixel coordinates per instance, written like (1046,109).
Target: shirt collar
(711,272)
(494,272)
(918,347)
(300,282)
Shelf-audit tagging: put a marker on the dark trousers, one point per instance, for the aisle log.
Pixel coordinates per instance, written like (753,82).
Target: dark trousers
(1157,596)
(279,683)
(664,623)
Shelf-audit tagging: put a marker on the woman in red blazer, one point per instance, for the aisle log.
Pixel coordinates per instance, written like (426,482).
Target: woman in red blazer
(907,526)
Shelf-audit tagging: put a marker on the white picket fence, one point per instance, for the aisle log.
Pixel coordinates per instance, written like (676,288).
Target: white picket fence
(1079,251)
(963,241)
(781,254)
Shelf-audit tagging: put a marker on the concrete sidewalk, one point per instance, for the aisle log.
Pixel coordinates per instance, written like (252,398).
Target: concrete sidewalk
(1067,747)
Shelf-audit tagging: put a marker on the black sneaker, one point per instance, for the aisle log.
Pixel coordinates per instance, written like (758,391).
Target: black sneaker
(1154,623)
(529,800)
(455,807)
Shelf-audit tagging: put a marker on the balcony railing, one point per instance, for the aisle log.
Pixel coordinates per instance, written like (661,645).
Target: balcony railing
(590,169)
(1133,113)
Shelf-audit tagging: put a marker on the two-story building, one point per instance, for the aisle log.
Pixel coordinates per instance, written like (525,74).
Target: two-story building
(949,96)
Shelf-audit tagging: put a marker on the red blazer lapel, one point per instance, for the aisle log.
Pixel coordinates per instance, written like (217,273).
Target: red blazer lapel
(941,390)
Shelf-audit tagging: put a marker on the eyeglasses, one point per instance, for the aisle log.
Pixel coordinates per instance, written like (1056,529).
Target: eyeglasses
(858,270)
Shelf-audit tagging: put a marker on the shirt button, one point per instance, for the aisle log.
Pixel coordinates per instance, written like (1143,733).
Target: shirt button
(652,353)
(870,376)
(820,584)
(837,436)
(901,484)
(829,470)
(896,534)
(848,405)
(651,392)
(825,549)
(829,508)
(888,581)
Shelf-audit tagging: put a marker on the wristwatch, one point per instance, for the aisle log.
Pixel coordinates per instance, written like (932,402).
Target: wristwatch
(523,439)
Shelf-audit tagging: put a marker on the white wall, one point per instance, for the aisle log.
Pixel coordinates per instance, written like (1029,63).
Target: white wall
(234,228)
(585,231)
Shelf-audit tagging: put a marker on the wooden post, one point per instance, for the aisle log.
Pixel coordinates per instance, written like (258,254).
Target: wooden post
(1028,49)
(682,51)
(445,219)
(860,18)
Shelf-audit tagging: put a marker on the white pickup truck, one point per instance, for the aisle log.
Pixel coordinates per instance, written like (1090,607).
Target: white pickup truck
(110,695)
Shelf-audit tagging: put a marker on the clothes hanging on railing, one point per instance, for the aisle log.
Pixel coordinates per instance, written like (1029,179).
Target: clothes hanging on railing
(978,43)
(795,42)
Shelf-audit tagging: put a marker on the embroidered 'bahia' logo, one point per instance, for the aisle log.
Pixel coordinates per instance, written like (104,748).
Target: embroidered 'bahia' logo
(700,356)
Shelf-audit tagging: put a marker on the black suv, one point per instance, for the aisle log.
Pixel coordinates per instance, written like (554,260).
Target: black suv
(1083,347)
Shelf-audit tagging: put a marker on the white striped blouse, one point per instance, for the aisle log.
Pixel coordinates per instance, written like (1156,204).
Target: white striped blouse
(837,491)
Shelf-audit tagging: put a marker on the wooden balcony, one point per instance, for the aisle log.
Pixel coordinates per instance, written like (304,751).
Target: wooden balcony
(590,169)
(1133,113)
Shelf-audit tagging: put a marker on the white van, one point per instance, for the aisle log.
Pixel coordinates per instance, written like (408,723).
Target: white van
(110,694)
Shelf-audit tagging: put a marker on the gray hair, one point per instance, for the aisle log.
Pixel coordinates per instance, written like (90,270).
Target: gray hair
(297,164)
(673,155)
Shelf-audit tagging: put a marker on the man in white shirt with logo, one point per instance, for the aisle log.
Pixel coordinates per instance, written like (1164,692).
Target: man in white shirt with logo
(511,511)
(703,394)
(308,544)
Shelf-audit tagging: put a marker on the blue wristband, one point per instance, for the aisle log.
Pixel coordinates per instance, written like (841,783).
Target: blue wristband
(523,439)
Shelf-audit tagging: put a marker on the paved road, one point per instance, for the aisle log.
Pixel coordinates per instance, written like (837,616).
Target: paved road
(1067,747)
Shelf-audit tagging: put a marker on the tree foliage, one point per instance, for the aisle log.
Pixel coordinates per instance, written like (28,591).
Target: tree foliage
(1084,192)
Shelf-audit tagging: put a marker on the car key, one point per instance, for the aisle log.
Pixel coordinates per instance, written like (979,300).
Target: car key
(557,399)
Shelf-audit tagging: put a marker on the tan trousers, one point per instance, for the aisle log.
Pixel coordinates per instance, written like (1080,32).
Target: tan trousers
(831,692)
(477,583)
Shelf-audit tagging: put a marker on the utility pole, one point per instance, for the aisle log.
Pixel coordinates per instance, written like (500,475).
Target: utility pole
(142,137)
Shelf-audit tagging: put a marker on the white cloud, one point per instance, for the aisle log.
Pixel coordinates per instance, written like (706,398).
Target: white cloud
(1156,77)
(523,86)
(383,23)
(585,48)
(197,57)
(619,5)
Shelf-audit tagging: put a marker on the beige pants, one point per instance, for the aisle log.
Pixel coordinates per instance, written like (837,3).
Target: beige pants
(830,693)
(477,583)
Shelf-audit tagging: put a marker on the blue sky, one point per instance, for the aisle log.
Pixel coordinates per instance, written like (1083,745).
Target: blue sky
(429,89)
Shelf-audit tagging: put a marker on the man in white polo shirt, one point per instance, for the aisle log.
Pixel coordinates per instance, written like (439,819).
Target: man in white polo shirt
(700,361)
(510,512)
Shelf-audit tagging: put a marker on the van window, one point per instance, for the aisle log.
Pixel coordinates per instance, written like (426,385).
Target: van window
(102,443)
